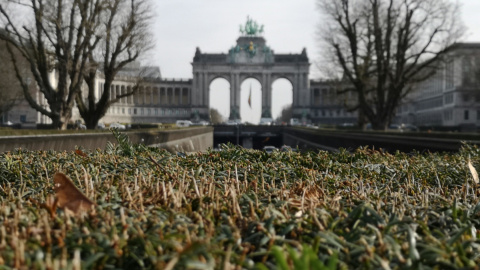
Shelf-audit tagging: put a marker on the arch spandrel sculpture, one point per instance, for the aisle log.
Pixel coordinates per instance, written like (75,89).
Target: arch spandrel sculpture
(250,58)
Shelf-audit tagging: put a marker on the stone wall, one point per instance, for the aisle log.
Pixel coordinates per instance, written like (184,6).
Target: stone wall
(183,140)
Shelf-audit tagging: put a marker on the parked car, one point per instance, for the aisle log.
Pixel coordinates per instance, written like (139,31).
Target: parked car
(266,121)
(408,127)
(117,126)
(183,123)
(395,127)
(233,122)
(347,125)
(201,123)
(80,125)
(100,126)
(269,148)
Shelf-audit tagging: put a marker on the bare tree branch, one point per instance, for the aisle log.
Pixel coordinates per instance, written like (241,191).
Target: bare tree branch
(383,46)
(126,27)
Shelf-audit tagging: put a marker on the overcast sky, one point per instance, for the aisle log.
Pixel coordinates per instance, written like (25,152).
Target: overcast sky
(213,26)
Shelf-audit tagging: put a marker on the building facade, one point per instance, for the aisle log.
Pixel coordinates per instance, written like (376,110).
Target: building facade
(330,105)
(450,99)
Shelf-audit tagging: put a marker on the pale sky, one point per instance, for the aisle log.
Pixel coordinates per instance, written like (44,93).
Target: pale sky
(213,25)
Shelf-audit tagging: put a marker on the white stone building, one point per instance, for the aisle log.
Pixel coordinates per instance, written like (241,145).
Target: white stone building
(450,99)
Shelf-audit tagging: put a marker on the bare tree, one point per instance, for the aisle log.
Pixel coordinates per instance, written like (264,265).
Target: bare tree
(10,90)
(383,47)
(53,44)
(215,116)
(286,114)
(60,46)
(125,26)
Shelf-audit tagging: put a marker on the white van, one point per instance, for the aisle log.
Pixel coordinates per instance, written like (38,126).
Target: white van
(294,122)
(183,123)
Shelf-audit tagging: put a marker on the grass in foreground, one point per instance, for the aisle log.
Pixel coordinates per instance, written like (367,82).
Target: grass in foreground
(243,209)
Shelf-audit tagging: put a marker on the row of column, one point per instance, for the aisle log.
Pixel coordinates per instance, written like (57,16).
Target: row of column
(150,96)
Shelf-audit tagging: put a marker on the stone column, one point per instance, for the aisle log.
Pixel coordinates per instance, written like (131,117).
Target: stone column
(266,95)
(233,79)
(143,96)
(194,89)
(238,89)
(306,93)
(235,96)
(205,91)
(164,96)
(296,90)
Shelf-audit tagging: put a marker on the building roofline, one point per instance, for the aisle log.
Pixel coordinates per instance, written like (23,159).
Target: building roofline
(465,45)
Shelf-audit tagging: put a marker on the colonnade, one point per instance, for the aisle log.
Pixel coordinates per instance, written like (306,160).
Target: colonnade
(150,95)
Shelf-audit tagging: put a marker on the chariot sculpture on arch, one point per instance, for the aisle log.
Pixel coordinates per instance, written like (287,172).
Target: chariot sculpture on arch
(251,28)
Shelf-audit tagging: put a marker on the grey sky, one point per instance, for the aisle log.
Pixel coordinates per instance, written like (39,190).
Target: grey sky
(213,26)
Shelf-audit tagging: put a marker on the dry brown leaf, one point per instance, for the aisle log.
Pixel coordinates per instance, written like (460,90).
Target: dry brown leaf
(473,171)
(69,196)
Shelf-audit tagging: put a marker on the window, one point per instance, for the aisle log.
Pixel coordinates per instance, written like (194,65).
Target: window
(450,75)
(465,115)
(135,111)
(448,115)
(23,118)
(449,98)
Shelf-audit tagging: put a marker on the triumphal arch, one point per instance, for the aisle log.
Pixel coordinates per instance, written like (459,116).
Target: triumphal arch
(250,58)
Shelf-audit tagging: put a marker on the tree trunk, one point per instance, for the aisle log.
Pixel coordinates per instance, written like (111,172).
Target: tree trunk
(92,119)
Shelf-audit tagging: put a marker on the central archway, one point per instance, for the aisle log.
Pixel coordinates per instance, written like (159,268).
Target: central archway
(251,101)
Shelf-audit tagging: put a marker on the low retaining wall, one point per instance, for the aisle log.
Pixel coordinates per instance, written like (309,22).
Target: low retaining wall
(184,140)
(313,139)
